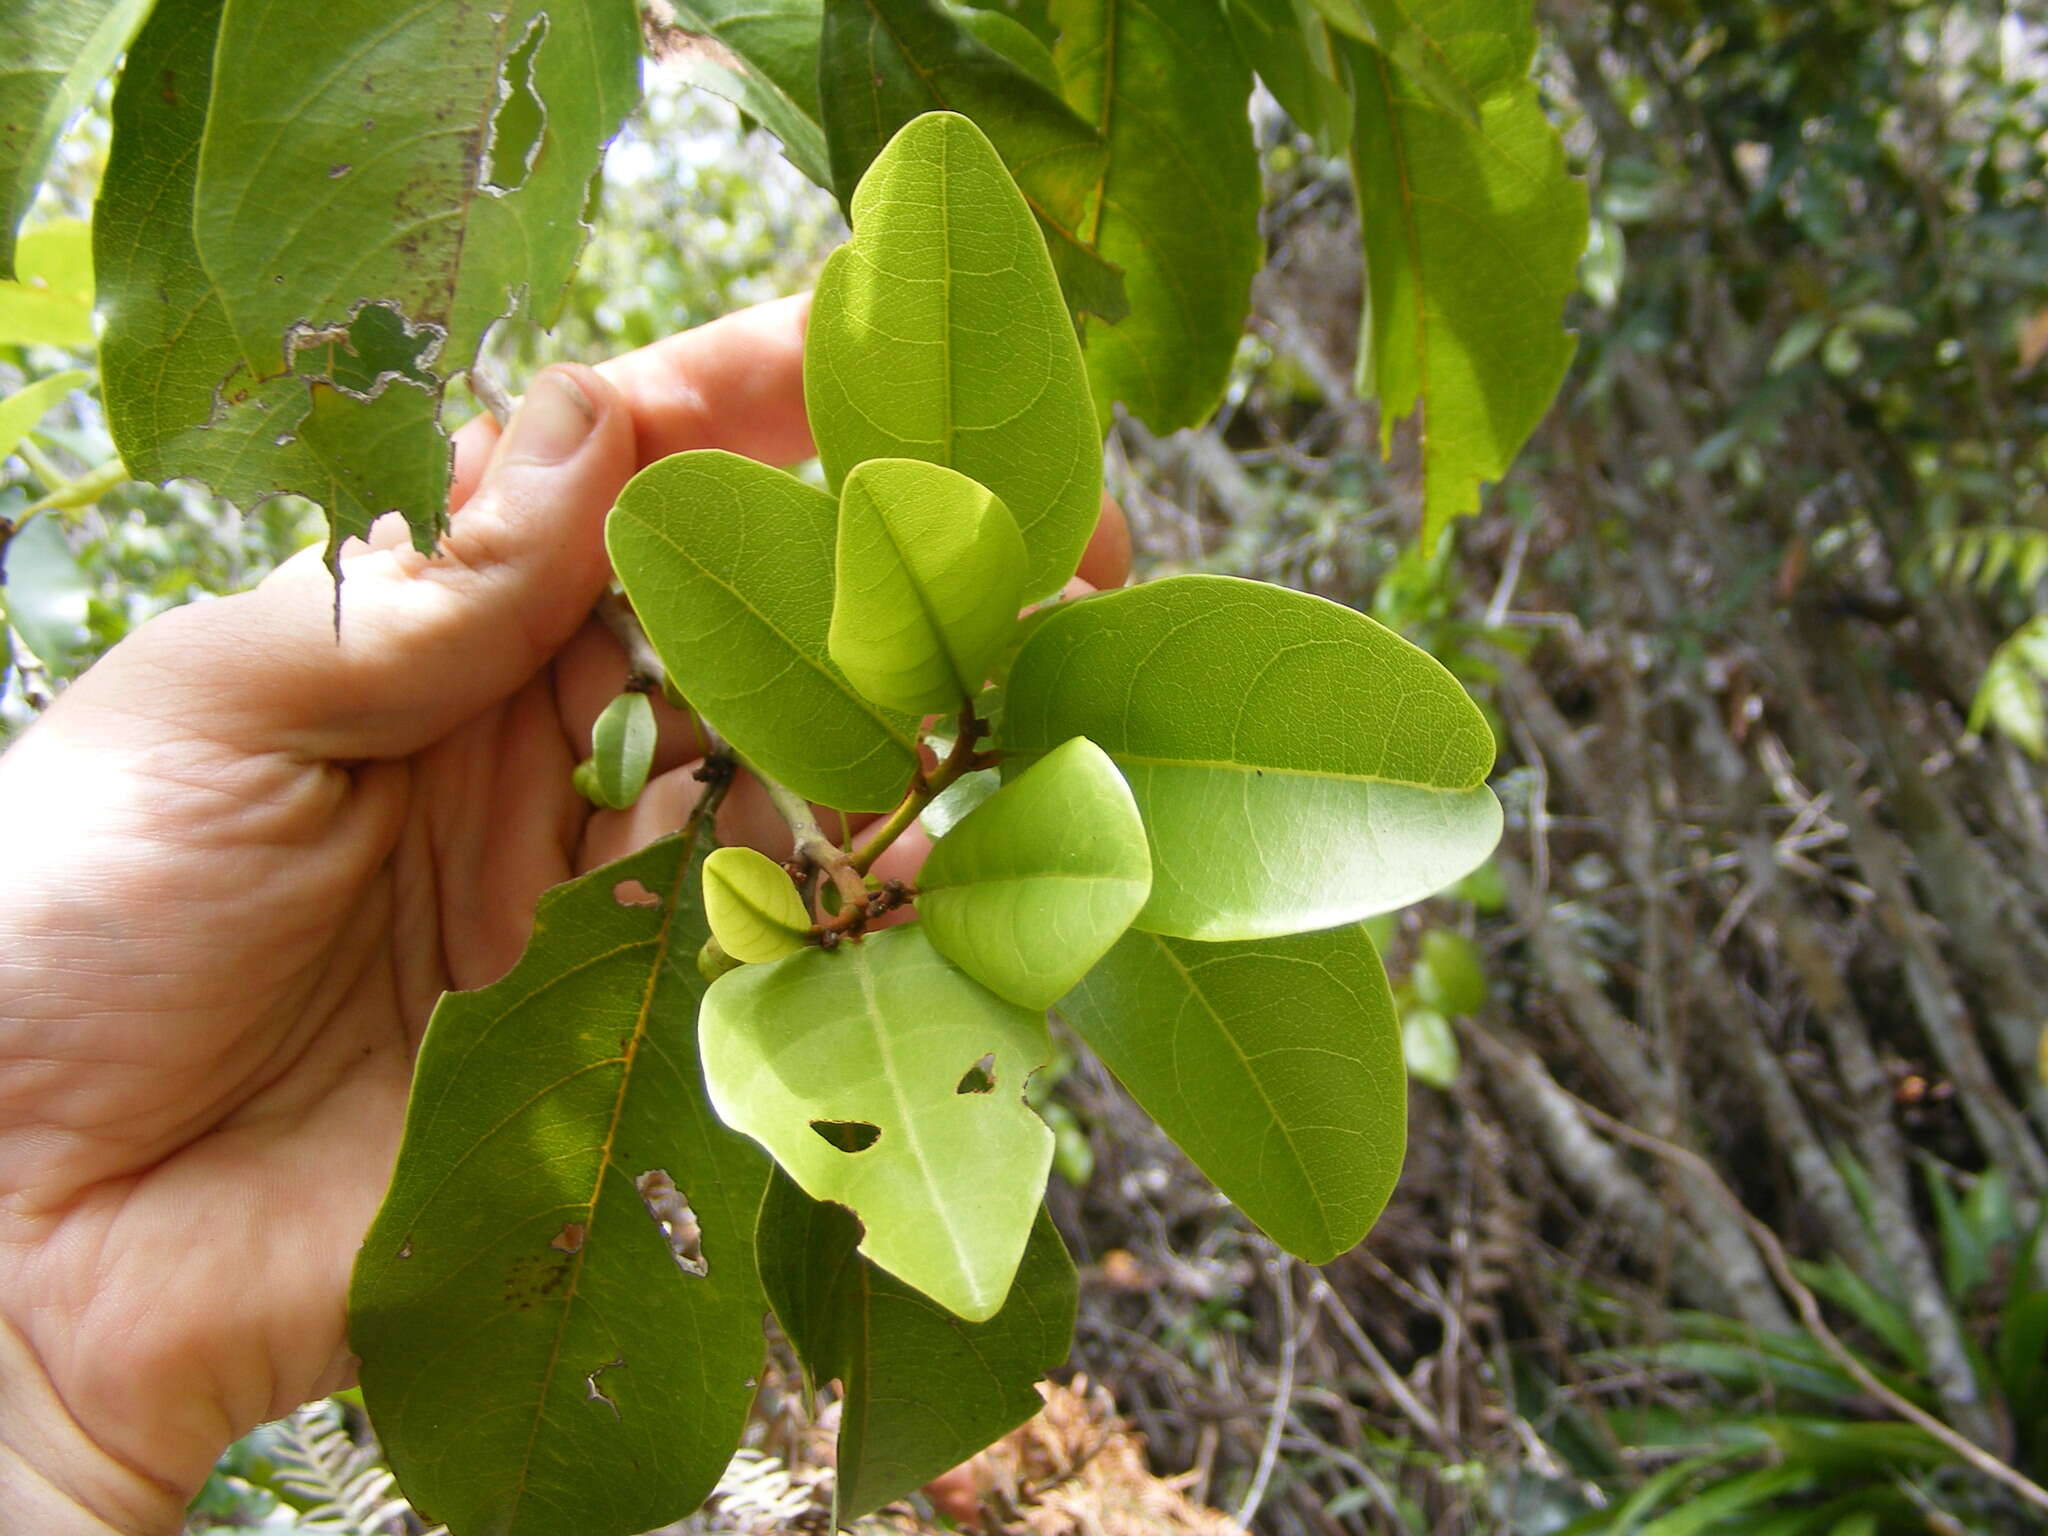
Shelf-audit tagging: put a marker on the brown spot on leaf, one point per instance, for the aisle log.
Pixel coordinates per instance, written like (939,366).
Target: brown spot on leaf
(570,1238)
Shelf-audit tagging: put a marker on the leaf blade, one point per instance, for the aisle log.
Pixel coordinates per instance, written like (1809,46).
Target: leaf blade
(755,913)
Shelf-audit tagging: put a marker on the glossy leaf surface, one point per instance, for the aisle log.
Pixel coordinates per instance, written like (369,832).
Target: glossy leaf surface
(729,566)
(1274,1064)
(755,912)
(51,303)
(938,333)
(924,1390)
(765,62)
(539,1353)
(1031,888)
(1177,203)
(1297,765)
(622,750)
(847,1065)
(883,62)
(929,577)
(1473,232)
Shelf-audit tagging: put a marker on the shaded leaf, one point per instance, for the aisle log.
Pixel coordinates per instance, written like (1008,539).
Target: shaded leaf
(1275,1065)
(51,303)
(1431,41)
(1297,765)
(1284,41)
(1176,204)
(762,56)
(923,1389)
(20,411)
(558,1309)
(938,333)
(928,580)
(845,1064)
(47,594)
(755,912)
(1449,975)
(1033,887)
(729,565)
(1429,1048)
(622,750)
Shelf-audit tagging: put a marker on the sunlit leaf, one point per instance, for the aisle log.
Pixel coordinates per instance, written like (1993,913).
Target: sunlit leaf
(1297,765)
(1029,890)
(51,303)
(729,565)
(754,910)
(1447,47)
(20,411)
(557,1309)
(851,1066)
(938,333)
(923,1389)
(929,576)
(1275,1064)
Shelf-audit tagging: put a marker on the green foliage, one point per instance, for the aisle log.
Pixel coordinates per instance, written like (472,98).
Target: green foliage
(755,914)
(622,750)
(50,301)
(769,69)
(2009,694)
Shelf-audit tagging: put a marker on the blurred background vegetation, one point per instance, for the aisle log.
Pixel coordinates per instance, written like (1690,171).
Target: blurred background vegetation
(1730,1134)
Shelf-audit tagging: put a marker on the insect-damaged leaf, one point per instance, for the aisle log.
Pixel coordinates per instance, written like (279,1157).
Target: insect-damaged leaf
(938,334)
(729,565)
(547,1344)
(755,912)
(1275,1064)
(1297,765)
(847,1064)
(924,1390)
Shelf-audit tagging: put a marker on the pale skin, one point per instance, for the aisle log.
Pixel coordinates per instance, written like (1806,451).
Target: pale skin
(245,858)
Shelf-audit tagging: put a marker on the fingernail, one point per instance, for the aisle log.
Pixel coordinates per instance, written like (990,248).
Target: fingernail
(550,424)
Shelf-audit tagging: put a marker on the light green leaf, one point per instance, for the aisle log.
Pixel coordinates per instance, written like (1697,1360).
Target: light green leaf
(755,912)
(1176,204)
(763,59)
(622,750)
(938,333)
(729,565)
(545,1344)
(1429,1048)
(1449,975)
(51,304)
(956,800)
(177,403)
(1275,1065)
(923,1389)
(1297,765)
(929,578)
(1031,889)
(1472,240)
(20,411)
(1285,42)
(851,1065)
(1004,34)
(883,62)
(53,55)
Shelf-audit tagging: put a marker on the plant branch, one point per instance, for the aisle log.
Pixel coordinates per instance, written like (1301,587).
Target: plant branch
(644,671)
(816,849)
(925,788)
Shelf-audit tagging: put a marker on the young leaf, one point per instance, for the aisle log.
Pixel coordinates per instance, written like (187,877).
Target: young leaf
(540,1329)
(1276,1065)
(930,576)
(755,913)
(1472,233)
(1297,765)
(939,334)
(51,304)
(1030,889)
(883,62)
(622,750)
(1176,204)
(924,1390)
(846,1064)
(53,55)
(729,565)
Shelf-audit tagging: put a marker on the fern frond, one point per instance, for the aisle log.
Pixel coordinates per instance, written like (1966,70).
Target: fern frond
(1987,554)
(351,1490)
(2009,697)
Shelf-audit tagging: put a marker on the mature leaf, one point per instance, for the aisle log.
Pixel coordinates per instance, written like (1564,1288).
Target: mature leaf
(1276,1065)
(622,750)
(1004,34)
(883,62)
(1431,41)
(1284,41)
(762,55)
(929,578)
(1176,204)
(729,565)
(851,1066)
(938,334)
(51,304)
(53,55)
(20,411)
(1297,765)
(755,912)
(1031,889)
(546,1344)
(170,370)
(1472,239)
(923,1389)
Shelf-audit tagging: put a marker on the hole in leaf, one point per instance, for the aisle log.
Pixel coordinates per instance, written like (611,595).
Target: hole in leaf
(405,1249)
(979,1078)
(521,117)
(376,345)
(631,893)
(848,1135)
(593,1393)
(671,1211)
(570,1238)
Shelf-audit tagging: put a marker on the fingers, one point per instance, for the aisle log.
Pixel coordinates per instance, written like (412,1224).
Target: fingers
(735,384)
(1106,562)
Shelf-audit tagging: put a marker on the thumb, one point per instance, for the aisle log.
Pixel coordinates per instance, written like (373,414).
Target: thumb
(425,641)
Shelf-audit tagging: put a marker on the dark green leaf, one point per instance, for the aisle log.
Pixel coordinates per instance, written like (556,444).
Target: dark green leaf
(923,1390)
(546,1344)
(1285,42)
(765,61)
(1276,1065)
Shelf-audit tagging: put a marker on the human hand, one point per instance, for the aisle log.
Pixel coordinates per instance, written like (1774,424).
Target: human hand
(247,858)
